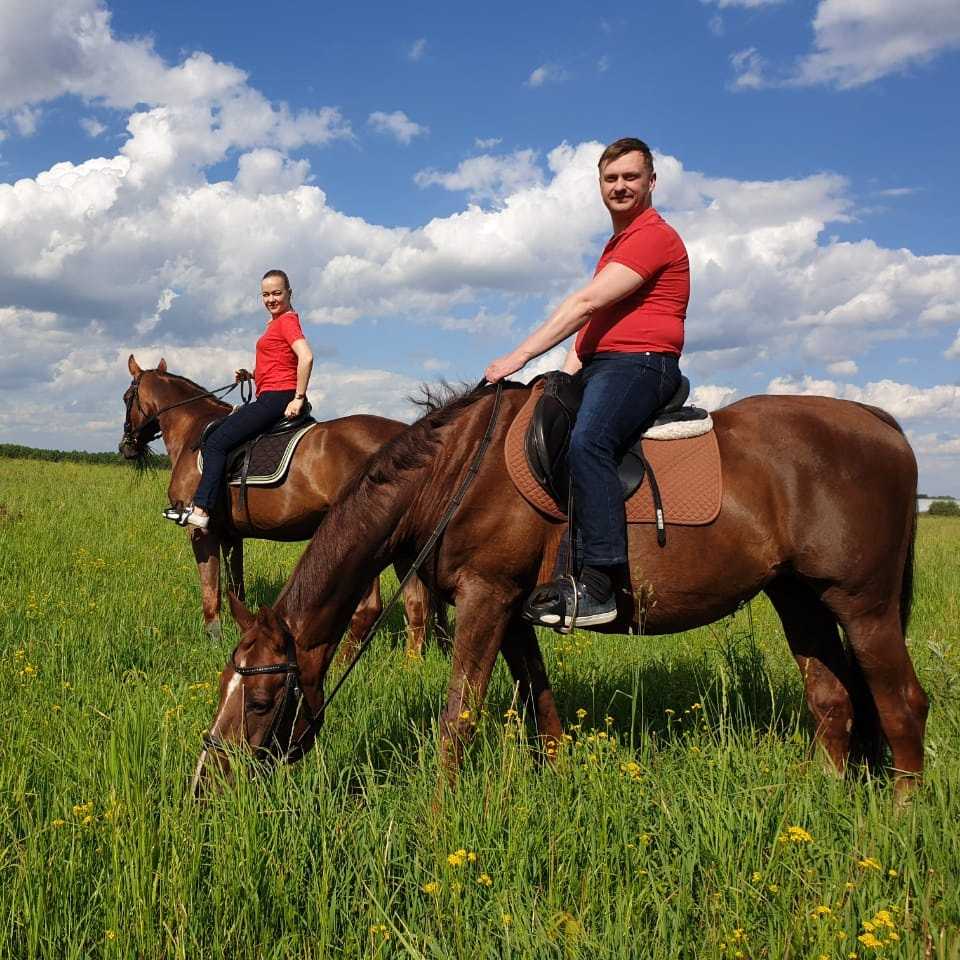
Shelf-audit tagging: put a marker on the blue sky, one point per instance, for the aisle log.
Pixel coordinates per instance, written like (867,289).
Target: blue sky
(426,175)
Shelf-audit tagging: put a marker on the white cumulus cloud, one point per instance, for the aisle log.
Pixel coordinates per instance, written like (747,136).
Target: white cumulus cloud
(486,176)
(397,125)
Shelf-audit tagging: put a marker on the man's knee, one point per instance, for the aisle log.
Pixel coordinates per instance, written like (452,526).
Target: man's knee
(586,444)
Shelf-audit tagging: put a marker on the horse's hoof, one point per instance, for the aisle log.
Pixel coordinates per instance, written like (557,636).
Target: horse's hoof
(213,630)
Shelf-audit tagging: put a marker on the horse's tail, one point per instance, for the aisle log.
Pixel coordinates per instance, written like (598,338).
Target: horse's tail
(906,585)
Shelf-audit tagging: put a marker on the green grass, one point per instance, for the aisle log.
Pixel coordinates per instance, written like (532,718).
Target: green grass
(658,835)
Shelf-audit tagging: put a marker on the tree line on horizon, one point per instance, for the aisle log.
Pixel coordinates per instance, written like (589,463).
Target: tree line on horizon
(16,451)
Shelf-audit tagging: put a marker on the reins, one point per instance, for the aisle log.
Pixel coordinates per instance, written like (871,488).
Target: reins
(291,668)
(246,394)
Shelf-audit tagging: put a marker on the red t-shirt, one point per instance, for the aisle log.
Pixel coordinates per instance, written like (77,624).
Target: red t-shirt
(652,317)
(276,367)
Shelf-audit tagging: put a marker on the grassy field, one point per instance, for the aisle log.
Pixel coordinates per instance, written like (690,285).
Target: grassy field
(689,816)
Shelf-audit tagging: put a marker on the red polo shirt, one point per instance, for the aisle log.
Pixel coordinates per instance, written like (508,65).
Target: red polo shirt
(652,317)
(276,367)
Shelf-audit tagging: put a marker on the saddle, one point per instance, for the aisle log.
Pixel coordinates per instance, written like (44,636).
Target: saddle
(264,459)
(547,440)
(676,453)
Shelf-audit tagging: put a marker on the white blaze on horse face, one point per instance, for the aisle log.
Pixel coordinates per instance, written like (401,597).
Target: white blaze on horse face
(233,687)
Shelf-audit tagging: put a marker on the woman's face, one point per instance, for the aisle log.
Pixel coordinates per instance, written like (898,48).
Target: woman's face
(276,296)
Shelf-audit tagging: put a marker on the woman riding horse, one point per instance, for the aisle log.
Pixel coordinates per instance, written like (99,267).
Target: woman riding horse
(282,371)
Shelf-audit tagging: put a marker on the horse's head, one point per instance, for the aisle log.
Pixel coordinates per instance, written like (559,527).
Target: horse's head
(267,706)
(140,424)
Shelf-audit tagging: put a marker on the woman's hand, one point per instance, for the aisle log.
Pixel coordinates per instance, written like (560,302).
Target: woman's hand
(241,375)
(294,407)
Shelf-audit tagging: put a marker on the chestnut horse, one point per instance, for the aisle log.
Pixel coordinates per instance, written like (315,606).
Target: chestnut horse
(326,459)
(818,511)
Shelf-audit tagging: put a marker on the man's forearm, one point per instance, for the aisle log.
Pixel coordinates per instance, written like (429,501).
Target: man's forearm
(572,364)
(569,317)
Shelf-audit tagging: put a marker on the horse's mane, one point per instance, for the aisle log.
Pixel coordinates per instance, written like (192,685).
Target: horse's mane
(365,504)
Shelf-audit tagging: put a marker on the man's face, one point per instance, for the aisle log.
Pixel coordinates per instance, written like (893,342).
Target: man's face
(626,184)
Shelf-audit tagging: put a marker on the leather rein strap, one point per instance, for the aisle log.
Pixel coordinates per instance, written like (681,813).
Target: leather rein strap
(290,667)
(153,420)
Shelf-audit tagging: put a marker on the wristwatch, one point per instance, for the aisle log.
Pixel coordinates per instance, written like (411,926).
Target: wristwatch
(300,396)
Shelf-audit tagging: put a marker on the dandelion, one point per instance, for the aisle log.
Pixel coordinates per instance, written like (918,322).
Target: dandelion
(432,888)
(795,835)
(738,935)
(458,858)
(608,721)
(893,935)
(506,919)
(57,824)
(773,887)
(111,934)
(756,876)
(849,885)
(892,873)
(380,928)
(464,714)
(511,714)
(869,940)
(472,857)
(669,712)
(822,910)
(882,918)
(868,863)
(485,880)
(581,713)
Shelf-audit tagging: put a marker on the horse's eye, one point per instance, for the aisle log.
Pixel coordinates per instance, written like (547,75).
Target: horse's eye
(259,705)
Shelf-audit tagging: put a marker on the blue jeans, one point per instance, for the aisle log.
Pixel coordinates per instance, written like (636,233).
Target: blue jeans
(245,422)
(621,392)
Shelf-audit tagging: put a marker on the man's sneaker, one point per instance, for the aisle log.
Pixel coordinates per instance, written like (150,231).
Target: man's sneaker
(566,603)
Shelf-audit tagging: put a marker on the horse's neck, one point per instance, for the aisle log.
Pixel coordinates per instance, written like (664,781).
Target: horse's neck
(354,543)
(181,426)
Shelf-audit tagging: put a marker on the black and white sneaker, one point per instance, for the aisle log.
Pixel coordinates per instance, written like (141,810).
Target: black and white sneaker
(566,603)
(182,516)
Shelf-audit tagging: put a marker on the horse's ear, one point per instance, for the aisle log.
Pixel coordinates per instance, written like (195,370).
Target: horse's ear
(133,366)
(245,619)
(162,366)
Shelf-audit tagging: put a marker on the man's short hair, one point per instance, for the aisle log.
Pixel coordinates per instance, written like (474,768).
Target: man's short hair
(623,146)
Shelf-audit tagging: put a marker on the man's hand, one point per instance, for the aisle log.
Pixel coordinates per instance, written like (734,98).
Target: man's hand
(242,374)
(503,367)
(294,407)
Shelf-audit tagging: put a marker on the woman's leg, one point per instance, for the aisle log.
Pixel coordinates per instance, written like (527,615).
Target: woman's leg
(244,423)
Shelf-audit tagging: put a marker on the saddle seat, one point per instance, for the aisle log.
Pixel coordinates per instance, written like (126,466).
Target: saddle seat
(547,439)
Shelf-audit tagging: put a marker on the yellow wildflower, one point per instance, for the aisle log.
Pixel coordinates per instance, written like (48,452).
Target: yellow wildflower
(795,835)
(472,857)
(869,940)
(433,888)
(57,823)
(464,714)
(669,712)
(822,910)
(458,858)
(868,863)
(882,918)
(111,935)
(608,721)
(893,935)
(581,713)
(506,919)
(892,873)
(485,880)
(696,706)
(756,876)
(773,887)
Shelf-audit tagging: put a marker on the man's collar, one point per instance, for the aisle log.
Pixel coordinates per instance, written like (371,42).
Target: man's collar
(638,221)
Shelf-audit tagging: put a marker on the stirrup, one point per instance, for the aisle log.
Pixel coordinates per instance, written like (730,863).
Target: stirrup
(565,604)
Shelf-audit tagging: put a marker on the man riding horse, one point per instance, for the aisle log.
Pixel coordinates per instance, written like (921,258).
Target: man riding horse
(630,319)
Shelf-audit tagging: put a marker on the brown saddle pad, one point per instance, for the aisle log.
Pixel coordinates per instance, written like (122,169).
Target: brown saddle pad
(688,472)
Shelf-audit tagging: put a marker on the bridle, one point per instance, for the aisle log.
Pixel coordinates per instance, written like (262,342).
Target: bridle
(292,694)
(290,667)
(136,436)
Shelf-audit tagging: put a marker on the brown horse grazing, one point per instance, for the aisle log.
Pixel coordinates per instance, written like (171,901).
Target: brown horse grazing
(818,511)
(327,458)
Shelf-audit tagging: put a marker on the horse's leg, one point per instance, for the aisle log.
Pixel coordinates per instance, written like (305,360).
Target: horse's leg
(811,631)
(482,619)
(206,550)
(877,641)
(440,624)
(522,652)
(233,556)
(416,603)
(367,611)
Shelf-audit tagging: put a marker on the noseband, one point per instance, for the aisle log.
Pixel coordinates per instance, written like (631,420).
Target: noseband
(292,694)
